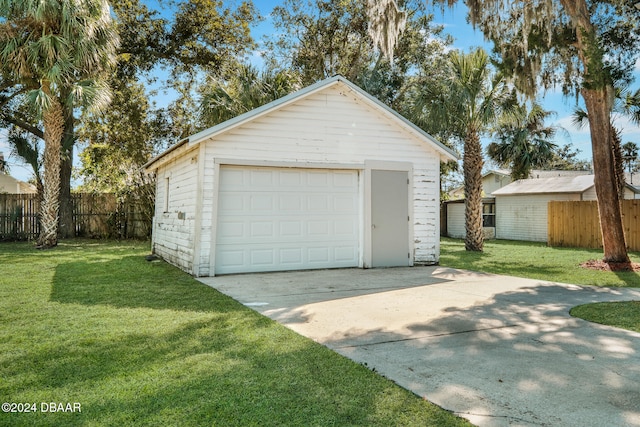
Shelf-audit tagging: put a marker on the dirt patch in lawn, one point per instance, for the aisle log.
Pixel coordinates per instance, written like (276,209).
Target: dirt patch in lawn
(598,264)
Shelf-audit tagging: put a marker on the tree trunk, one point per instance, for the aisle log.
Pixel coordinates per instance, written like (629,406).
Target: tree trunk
(615,249)
(597,91)
(66,226)
(472,168)
(53,127)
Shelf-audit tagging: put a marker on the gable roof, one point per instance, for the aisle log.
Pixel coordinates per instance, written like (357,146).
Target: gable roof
(445,152)
(559,184)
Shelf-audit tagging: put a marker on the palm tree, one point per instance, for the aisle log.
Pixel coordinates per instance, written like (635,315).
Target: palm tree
(26,147)
(245,90)
(59,50)
(630,156)
(523,141)
(467,104)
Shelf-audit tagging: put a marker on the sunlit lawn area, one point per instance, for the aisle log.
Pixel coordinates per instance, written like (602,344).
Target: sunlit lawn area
(538,261)
(624,314)
(140,343)
(535,261)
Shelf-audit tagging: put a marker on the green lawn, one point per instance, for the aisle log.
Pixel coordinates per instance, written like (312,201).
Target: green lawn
(624,314)
(535,261)
(140,343)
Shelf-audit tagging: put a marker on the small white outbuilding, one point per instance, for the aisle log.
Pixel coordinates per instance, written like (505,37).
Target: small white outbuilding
(325,177)
(521,208)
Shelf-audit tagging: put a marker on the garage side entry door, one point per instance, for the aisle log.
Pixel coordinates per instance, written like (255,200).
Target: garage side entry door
(275,219)
(390,219)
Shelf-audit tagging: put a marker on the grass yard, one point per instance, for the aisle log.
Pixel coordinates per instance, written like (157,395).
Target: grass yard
(139,343)
(625,315)
(535,261)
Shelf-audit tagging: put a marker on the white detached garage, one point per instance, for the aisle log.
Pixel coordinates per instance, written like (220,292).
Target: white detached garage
(325,177)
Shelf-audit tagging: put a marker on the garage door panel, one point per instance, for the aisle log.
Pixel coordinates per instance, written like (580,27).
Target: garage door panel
(290,178)
(261,203)
(290,203)
(345,204)
(273,219)
(348,254)
(291,229)
(231,231)
(261,229)
(315,229)
(235,258)
(262,257)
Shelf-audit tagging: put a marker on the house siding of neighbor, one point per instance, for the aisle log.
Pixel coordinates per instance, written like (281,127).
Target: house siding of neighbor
(302,182)
(522,217)
(455,224)
(9,184)
(522,206)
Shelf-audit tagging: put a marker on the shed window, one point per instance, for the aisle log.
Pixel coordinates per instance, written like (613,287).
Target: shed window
(166,194)
(488,214)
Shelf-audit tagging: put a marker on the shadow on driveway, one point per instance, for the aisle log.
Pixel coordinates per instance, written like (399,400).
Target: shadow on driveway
(497,350)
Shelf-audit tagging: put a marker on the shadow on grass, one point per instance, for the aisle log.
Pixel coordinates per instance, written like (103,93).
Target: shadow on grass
(142,343)
(206,373)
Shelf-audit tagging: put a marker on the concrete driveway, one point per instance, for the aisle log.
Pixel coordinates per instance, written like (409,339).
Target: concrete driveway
(497,350)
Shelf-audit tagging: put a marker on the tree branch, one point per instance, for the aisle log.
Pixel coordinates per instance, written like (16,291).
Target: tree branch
(24,125)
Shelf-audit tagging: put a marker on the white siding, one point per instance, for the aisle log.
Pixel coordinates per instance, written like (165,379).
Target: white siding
(525,217)
(333,126)
(493,182)
(455,220)
(173,232)
(590,194)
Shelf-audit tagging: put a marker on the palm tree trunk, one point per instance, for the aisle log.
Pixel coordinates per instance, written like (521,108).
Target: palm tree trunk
(472,168)
(53,121)
(66,225)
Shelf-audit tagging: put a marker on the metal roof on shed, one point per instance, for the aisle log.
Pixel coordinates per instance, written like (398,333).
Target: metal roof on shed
(560,184)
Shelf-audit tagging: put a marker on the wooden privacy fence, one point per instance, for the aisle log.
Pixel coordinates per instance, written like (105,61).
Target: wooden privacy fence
(94,215)
(577,224)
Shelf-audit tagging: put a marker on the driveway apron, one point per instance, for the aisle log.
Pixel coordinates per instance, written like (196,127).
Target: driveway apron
(497,350)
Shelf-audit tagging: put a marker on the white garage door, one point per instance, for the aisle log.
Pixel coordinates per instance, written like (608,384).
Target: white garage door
(273,219)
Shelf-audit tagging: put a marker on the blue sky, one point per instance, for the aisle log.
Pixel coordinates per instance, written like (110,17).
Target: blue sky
(466,37)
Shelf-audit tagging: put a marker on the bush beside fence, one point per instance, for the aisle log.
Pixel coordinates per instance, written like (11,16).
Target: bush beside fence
(94,215)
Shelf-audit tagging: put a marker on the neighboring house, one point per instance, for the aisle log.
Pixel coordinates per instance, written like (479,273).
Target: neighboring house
(498,178)
(454,225)
(325,177)
(9,184)
(492,181)
(521,207)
